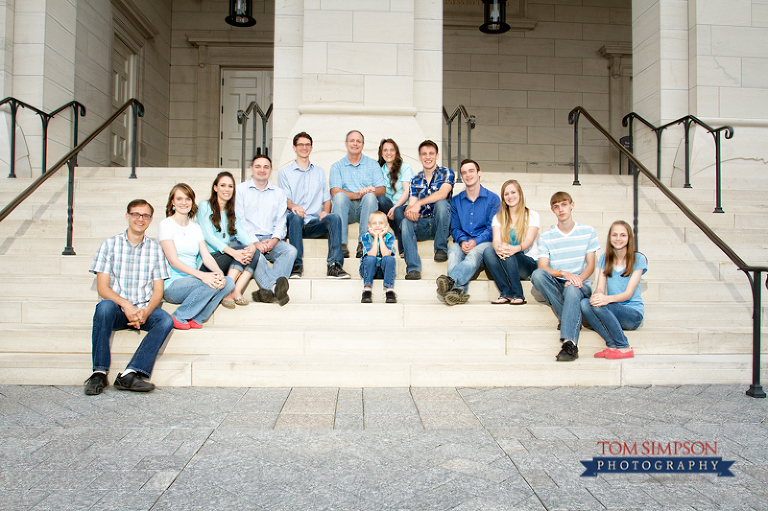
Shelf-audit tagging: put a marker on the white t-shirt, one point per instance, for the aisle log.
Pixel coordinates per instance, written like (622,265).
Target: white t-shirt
(187,241)
(533,221)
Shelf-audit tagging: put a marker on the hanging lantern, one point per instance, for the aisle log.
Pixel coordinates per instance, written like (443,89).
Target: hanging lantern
(495,17)
(241,13)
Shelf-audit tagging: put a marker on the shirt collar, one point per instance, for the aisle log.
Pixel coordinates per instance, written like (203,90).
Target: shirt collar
(269,186)
(296,167)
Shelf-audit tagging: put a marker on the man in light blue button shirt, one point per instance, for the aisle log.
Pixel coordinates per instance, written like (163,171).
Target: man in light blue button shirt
(262,207)
(309,208)
(356,183)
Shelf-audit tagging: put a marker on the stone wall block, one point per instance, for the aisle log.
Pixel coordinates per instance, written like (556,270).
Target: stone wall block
(328,26)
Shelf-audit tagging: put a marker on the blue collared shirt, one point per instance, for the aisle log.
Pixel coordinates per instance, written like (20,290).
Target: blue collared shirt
(352,178)
(420,188)
(307,188)
(472,220)
(263,212)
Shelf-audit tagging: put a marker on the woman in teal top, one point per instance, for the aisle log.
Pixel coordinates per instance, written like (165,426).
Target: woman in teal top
(398,175)
(227,239)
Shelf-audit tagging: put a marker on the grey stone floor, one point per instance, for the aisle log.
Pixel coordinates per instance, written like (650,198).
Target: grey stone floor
(369,449)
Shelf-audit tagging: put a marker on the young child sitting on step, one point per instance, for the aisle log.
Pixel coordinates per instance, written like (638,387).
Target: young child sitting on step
(378,259)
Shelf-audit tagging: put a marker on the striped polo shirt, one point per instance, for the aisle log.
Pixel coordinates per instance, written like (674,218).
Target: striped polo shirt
(568,251)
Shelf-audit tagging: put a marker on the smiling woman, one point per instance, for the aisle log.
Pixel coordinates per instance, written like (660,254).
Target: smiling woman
(182,240)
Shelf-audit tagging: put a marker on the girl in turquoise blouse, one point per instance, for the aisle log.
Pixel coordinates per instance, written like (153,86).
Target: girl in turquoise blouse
(227,239)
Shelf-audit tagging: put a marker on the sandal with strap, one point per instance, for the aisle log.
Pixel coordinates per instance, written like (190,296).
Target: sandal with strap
(502,300)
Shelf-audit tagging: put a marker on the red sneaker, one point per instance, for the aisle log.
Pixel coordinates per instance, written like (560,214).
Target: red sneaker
(178,325)
(602,354)
(194,324)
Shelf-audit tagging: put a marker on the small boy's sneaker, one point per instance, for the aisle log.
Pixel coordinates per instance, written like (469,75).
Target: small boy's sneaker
(367,296)
(568,353)
(391,297)
(335,271)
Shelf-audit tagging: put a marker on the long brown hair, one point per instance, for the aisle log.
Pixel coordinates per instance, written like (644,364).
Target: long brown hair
(505,216)
(229,207)
(394,173)
(186,190)
(611,257)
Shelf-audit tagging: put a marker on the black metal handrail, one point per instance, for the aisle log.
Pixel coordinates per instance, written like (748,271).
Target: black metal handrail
(69,159)
(755,389)
(45,118)
(686,121)
(242,119)
(471,122)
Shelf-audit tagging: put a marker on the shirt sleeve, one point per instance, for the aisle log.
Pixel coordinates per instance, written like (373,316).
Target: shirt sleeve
(102,261)
(212,236)
(594,244)
(284,183)
(334,179)
(543,249)
(165,231)
(281,215)
(493,208)
(367,243)
(641,263)
(447,177)
(375,170)
(601,262)
(457,233)
(242,233)
(389,241)
(324,184)
(161,270)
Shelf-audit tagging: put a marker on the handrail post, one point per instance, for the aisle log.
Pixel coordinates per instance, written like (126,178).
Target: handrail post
(243,120)
(69,250)
(755,389)
(75,128)
(658,152)
(576,115)
(687,123)
(458,151)
(635,196)
(134,142)
(45,119)
(718,184)
(14,107)
(258,112)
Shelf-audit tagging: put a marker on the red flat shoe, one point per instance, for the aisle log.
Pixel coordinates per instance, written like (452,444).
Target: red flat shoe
(194,324)
(618,354)
(178,325)
(602,354)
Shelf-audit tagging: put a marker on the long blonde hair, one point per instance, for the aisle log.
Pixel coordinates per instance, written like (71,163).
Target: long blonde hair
(505,216)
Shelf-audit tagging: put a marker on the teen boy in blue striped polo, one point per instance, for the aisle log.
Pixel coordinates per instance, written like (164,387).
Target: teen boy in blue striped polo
(566,261)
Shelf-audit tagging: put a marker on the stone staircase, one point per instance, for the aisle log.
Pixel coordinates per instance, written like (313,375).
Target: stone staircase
(697,326)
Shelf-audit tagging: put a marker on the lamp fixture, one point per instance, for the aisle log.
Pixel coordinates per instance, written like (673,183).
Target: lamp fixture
(241,13)
(494,17)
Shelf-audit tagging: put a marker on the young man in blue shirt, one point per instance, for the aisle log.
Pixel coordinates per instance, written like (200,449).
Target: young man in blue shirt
(472,214)
(309,209)
(428,214)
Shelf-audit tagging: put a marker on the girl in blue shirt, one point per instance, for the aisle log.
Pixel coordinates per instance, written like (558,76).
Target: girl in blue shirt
(616,305)
(228,241)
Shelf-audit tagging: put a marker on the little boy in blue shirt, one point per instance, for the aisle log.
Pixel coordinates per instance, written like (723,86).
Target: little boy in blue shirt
(378,259)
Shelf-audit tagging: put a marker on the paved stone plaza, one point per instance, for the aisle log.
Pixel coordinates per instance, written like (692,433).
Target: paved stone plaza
(370,449)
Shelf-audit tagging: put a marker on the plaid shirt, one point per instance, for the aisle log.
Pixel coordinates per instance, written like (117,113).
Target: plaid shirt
(420,188)
(132,270)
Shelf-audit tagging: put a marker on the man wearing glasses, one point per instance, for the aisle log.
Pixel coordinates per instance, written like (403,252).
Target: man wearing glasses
(309,209)
(130,269)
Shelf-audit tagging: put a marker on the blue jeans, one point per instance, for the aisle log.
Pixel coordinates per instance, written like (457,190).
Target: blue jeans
(281,257)
(611,320)
(330,225)
(507,273)
(385,204)
(226,262)
(351,211)
(564,300)
(371,268)
(198,300)
(435,228)
(109,316)
(462,267)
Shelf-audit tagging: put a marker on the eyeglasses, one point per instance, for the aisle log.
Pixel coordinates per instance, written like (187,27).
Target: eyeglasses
(136,216)
(303,145)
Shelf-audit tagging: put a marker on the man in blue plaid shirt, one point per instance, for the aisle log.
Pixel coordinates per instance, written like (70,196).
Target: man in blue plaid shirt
(130,269)
(428,214)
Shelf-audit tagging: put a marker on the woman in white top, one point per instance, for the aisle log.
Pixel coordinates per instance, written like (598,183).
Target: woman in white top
(230,245)
(183,242)
(398,175)
(514,251)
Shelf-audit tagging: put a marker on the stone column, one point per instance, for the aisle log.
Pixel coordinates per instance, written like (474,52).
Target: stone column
(374,66)
(620,93)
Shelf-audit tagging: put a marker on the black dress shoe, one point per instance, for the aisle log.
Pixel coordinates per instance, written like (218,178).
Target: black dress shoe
(96,384)
(281,291)
(359,253)
(344,251)
(441,255)
(413,275)
(133,382)
(263,295)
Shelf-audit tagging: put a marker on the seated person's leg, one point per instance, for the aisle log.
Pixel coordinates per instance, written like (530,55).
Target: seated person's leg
(496,269)
(550,288)
(389,267)
(341,205)
(296,229)
(408,232)
(570,318)
(282,258)
(442,224)
(107,317)
(158,325)
(465,265)
(368,204)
